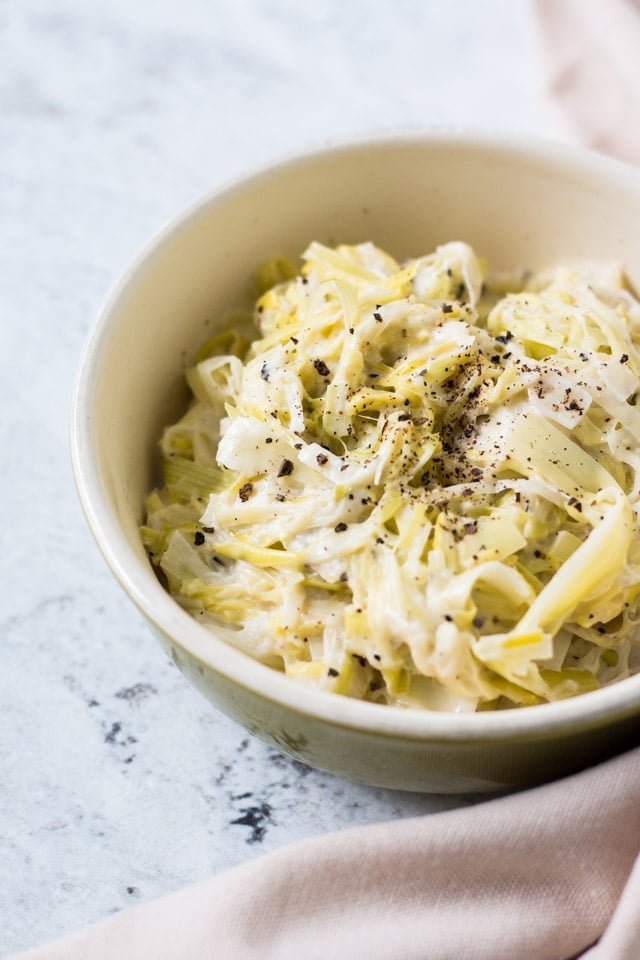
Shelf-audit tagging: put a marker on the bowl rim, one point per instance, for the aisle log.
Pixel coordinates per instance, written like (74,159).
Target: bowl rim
(548,721)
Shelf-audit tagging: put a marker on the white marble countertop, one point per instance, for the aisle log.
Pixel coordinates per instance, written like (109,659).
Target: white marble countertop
(119,782)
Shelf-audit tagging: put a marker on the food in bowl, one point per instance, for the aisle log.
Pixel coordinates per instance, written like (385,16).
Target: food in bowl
(415,484)
(517,201)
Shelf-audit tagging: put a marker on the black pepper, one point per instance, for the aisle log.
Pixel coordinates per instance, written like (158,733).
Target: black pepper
(286,467)
(245,491)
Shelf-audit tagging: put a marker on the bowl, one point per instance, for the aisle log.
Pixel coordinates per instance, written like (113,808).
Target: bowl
(518,202)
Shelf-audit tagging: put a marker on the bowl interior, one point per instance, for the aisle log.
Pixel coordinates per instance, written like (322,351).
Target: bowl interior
(520,205)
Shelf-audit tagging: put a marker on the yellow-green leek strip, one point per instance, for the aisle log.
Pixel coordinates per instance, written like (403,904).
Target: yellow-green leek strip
(537,447)
(273,271)
(186,478)
(514,647)
(318,253)
(229,342)
(602,554)
(569,681)
(241,549)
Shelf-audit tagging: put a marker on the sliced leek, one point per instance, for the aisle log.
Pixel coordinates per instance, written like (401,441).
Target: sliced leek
(412,487)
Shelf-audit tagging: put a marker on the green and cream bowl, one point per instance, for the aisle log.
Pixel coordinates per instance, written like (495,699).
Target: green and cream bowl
(519,202)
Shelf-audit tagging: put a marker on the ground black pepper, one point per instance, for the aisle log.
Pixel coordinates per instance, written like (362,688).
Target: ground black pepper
(245,491)
(286,467)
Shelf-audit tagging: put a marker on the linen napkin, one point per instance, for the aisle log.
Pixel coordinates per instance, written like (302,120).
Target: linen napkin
(590,62)
(539,875)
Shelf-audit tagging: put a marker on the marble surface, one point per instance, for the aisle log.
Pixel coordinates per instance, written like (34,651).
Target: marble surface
(119,783)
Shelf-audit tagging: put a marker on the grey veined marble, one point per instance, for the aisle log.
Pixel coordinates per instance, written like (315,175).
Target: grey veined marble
(119,782)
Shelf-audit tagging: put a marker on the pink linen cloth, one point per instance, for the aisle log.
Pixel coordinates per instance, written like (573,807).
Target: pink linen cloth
(538,875)
(552,873)
(590,59)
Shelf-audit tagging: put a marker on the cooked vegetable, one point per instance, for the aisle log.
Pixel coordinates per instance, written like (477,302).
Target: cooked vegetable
(415,487)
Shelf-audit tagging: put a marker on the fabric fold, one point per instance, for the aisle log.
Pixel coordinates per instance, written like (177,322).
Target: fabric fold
(535,875)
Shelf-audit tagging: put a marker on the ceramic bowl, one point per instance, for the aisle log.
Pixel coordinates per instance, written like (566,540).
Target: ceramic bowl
(519,203)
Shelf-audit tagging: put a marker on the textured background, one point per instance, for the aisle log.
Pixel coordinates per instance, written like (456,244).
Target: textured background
(117,781)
